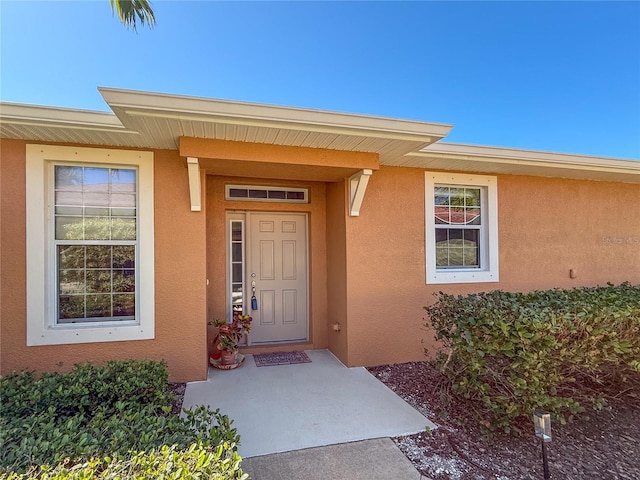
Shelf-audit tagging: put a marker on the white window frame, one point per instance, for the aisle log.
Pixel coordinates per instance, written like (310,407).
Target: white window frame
(489,268)
(42,327)
(241,218)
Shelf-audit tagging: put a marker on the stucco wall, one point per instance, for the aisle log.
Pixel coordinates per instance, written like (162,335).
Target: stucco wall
(180,295)
(337,269)
(549,226)
(13,275)
(216,253)
(366,272)
(546,227)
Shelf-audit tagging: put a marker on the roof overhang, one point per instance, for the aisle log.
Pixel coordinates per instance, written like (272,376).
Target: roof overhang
(153,120)
(158,121)
(240,159)
(509,161)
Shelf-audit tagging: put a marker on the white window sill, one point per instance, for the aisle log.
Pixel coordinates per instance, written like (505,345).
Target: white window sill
(443,277)
(61,335)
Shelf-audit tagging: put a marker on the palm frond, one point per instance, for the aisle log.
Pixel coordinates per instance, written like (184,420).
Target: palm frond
(130,12)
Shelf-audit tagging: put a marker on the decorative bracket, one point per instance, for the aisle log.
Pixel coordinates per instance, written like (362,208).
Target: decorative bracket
(194,184)
(357,186)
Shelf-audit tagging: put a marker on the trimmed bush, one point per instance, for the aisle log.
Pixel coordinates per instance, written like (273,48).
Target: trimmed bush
(87,389)
(167,462)
(560,350)
(95,412)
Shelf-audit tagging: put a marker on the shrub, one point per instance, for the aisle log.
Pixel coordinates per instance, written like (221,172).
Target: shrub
(560,350)
(86,390)
(198,461)
(96,411)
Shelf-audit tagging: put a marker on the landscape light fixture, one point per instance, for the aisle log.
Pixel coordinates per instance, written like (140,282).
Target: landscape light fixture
(542,423)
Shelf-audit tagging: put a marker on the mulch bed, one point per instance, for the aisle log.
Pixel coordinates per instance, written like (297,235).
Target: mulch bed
(178,390)
(603,445)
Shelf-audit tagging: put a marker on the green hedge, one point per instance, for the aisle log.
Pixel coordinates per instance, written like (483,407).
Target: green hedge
(560,350)
(167,462)
(96,412)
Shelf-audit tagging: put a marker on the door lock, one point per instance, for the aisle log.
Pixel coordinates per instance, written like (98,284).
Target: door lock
(254,301)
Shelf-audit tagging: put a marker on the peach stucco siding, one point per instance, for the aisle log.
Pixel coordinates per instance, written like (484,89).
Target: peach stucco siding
(547,226)
(337,269)
(13,274)
(279,155)
(180,295)
(366,273)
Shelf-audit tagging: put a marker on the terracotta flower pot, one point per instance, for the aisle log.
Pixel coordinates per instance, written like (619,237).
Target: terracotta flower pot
(228,358)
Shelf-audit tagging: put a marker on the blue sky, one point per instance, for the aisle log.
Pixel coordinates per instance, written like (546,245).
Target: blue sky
(558,76)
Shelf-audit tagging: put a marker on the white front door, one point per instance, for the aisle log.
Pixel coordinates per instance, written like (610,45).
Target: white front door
(276,252)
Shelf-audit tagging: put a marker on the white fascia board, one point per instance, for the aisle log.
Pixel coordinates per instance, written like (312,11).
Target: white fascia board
(242,113)
(526,157)
(37,115)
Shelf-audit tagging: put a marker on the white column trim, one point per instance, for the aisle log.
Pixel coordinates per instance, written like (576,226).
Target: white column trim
(357,187)
(194,184)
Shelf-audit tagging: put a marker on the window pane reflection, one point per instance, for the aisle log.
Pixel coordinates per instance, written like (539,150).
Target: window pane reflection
(457,248)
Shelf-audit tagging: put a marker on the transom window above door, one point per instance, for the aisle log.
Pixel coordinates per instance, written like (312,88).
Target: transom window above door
(256,193)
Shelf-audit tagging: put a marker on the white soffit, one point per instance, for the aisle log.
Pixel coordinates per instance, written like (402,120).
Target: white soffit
(158,105)
(51,124)
(153,120)
(163,117)
(510,161)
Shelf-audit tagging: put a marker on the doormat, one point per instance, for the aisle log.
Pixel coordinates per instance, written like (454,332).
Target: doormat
(280,358)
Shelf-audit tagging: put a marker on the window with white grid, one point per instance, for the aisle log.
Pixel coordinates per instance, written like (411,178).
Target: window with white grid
(90,245)
(95,239)
(461,235)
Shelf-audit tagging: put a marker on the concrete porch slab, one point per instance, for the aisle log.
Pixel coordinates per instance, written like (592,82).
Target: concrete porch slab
(293,407)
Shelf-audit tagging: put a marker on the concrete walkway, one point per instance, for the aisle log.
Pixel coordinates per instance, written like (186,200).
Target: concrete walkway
(377,459)
(294,407)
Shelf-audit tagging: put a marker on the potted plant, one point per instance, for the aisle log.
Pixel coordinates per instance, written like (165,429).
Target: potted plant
(229,335)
